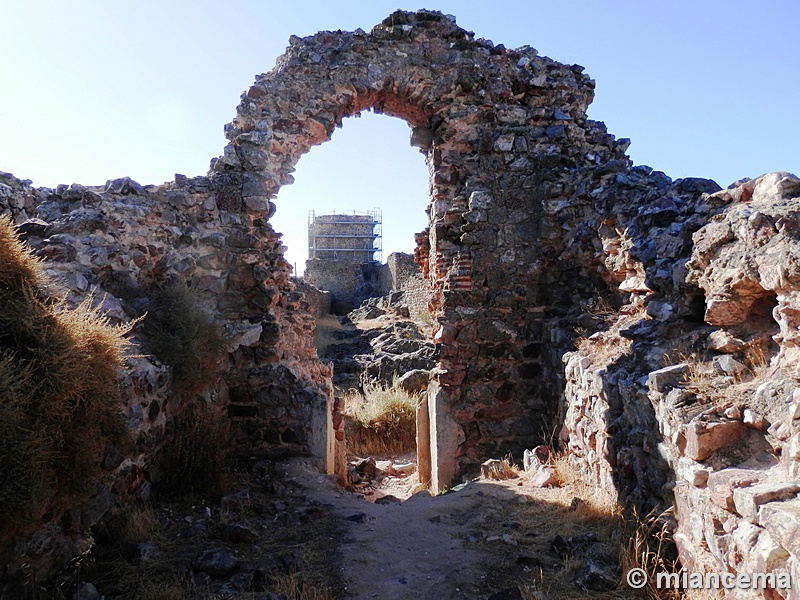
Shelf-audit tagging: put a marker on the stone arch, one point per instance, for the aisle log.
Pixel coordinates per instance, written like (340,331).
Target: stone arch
(499,129)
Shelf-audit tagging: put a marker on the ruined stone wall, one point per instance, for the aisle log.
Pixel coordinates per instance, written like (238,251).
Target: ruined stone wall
(401,266)
(123,238)
(540,230)
(113,244)
(406,276)
(688,396)
(514,165)
(416,296)
(349,283)
(513,161)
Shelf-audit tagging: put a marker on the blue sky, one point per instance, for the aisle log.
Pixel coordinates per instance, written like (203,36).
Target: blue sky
(92,90)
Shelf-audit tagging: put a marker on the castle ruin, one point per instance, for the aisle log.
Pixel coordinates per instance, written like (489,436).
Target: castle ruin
(535,215)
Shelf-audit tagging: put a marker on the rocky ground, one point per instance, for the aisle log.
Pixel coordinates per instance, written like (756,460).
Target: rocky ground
(379,344)
(290,532)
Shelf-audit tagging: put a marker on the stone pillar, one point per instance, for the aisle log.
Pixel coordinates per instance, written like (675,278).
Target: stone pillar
(423,442)
(446,435)
(322,442)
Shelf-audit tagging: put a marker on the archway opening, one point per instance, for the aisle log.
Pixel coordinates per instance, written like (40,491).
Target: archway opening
(349,223)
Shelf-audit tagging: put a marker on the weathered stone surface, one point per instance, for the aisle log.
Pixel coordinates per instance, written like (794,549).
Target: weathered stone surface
(666,378)
(747,500)
(782,520)
(723,341)
(703,438)
(414,381)
(722,484)
(729,365)
(693,472)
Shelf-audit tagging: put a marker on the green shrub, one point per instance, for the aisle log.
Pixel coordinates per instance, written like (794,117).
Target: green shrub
(59,391)
(182,335)
(383,420)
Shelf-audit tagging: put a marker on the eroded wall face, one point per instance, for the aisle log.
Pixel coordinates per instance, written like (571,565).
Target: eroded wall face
(513,160)
(515,168)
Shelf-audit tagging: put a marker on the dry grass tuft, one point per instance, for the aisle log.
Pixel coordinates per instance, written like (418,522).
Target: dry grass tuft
(650,547)
(139,523)
(291,587)
(182,335)
(196,457)
(716,388)
(499,470)
(607,343)
(59,391)
(381,421)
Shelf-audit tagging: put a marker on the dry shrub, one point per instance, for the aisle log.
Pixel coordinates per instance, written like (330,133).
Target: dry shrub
(713,387)
(650,547)
(139,523)
(196,457)
(182,335)
(499,470)
(607,343)
(59,390)
(383,420)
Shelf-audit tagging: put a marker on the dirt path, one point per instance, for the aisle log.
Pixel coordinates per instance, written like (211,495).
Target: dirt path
(291,532)
(424,547)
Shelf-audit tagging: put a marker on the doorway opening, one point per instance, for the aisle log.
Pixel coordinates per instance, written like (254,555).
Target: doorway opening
(372,323)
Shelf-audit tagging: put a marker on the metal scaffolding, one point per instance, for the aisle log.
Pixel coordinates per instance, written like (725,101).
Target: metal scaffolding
(350,237)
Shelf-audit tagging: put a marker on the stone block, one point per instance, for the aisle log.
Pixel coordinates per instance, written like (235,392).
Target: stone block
(721,484)
(724,312)
(693,472)
(747,500)
(703,438)
(753,419)
(544,476)
(782,520)
(781,431)
(660,311)
(767,555)
(729,365)
(745,536)
(722,341)
(667,378)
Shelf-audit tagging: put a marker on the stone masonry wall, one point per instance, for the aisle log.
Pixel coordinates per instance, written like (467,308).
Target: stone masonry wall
(688,397)
(513,161)
(540,231)
(349,283)
(416,295)
(112,243)
(406,276)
